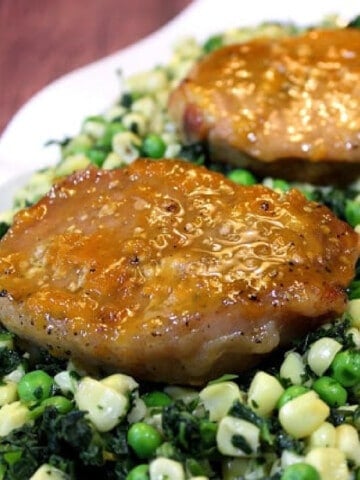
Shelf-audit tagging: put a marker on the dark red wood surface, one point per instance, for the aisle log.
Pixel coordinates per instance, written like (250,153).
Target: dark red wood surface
(43,39)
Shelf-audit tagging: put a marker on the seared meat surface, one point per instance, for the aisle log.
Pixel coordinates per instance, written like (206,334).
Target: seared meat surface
(170,272)
(282,107)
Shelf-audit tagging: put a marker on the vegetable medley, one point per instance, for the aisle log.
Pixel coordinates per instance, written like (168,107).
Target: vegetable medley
(295,418)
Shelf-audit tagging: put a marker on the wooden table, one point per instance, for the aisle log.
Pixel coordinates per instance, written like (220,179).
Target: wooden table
(43,39)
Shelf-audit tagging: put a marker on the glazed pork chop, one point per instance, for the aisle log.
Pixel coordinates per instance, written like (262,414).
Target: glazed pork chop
(171,272)
(282,107)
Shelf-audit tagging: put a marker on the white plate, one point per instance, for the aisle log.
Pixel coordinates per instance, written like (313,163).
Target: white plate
(57,110)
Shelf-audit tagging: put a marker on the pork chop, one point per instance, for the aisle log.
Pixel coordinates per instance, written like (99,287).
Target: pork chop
(284,107)
(170,272)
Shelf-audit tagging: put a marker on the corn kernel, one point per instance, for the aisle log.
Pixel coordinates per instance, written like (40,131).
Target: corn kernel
(8,393)
(219,397)
(126,146)
(322,353)
(105,406)
(71,164)
(293,368)
(264,392)
(12,416)
(353,309)
(48,472)
(324,436)
(162,468)
(121,383)
(230,427)
(347,440)
(329,462)
(302,415)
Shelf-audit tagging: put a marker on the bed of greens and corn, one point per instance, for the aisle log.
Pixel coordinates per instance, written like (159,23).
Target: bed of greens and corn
(297,418)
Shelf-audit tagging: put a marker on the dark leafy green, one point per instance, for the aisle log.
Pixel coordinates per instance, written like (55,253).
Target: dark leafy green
(354,23)
(4,227)
(9,360)
(334,198)
(188,432)
(337,331)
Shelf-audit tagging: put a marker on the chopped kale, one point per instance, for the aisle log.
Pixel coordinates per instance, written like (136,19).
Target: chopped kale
(283,441)
(188,432)
(181,426)
(116,441)
(168,450)
(224,378)
(339,416)
(198,468)
(354,290)
(239,441)
(9,360)
(195,153)
(213,43)
(357,270)
(334,198)
(240,410)
(67,441)
(354,23)
(354,287)
(4,227)
(64,432)
(44,361)
(356,418)
(126,100)
(61,143)
(20,454)
(337,331)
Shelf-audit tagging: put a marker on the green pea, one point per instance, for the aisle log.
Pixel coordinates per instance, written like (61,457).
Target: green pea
(213,43)
(140,472)
(156,399)
(280,184)
(300,471)
(330,391)
(352,212)
(35,386)
(345,368)
(290,393)
(153,146)
(242,177)
(144,439)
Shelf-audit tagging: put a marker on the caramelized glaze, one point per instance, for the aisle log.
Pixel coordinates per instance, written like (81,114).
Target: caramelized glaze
(287,107)
(170,272)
